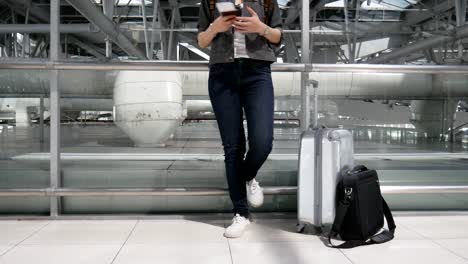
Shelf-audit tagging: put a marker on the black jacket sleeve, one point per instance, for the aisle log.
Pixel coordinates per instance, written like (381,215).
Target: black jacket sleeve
(276,21)
(204,16)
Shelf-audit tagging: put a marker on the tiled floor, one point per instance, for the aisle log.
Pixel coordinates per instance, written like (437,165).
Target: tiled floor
(429,238)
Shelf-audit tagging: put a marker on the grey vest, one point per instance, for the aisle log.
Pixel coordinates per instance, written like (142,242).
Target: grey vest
(258,47)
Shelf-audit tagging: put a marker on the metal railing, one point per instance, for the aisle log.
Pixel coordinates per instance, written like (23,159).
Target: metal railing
(158,65)
(220,157)
(282,190)
(279,190)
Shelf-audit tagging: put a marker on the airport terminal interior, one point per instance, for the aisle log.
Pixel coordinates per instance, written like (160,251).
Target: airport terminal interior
(110,150)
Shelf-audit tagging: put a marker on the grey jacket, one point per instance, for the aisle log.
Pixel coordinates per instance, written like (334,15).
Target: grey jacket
(258,47)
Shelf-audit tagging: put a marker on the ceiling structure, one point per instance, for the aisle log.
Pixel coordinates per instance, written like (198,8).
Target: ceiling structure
(360,31)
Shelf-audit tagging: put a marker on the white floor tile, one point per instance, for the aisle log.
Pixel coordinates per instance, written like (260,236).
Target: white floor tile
(279,230)
(51,254)
(83,232)
(5,248)
(403,233)
(437,227)
(403,252)
(268,240)
(457,246)
(13,232)
(160,231)
(175,253)
(282,252)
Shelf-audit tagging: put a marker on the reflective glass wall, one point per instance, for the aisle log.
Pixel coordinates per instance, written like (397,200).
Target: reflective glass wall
(411,127)
(156,129)
(23,134)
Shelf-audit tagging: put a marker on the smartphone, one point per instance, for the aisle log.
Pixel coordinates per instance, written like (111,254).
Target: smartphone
(228,9)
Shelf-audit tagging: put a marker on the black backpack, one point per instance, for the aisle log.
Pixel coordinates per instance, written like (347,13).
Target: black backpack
(266,10)
(360,210)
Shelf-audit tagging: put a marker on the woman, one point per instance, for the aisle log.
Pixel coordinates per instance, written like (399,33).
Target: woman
(242,49)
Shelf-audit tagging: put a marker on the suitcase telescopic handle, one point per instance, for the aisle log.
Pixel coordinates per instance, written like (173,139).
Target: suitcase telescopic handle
(314,84)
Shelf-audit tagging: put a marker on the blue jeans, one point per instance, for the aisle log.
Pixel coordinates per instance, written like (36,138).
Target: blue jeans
(243,85)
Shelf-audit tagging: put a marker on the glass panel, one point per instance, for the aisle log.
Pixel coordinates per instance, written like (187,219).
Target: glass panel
(411,127)
(130,129)
(117,125)
(402,122)
(24,142)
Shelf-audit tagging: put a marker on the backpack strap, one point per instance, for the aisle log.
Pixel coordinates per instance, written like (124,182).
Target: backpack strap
(389,234)
(341,212)
(382,237)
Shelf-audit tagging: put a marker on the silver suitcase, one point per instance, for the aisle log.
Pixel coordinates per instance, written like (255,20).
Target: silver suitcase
(324,154)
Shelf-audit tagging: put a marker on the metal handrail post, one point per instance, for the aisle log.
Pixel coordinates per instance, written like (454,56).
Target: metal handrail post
(55,169)
(314,85)
(305,102)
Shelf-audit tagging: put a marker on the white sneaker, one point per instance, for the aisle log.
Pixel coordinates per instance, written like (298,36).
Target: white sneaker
(237,228)
(254,193)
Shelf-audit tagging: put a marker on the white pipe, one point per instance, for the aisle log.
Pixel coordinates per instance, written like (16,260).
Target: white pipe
(354,85)
(339,84)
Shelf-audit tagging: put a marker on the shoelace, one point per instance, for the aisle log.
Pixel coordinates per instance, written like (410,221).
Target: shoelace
(254,186)
(237,219)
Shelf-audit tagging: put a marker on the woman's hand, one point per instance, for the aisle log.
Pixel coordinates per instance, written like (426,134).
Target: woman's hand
(249,24)
(222,24)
